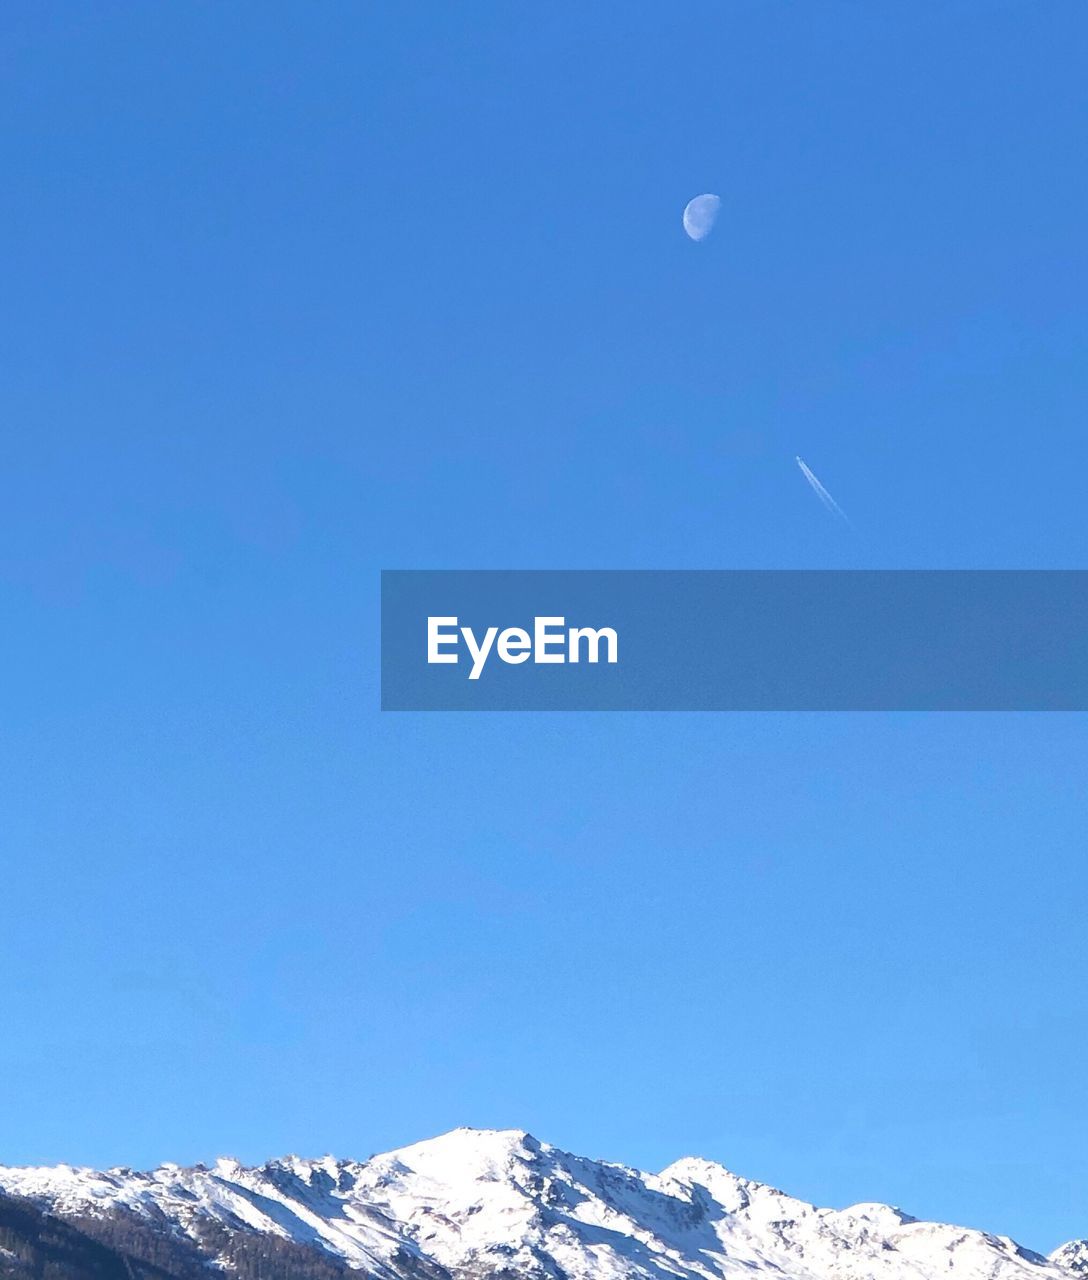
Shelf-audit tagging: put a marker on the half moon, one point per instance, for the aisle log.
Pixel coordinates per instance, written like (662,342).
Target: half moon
(700,216)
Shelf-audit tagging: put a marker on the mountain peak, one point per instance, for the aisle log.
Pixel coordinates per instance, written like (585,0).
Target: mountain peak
(465,1153)
(467,1136)
(1072,1257)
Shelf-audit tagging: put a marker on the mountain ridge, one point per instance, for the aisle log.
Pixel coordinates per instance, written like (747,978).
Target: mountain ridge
(496,1204)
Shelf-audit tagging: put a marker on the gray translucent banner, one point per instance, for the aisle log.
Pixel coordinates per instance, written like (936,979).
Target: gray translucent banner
(615,640)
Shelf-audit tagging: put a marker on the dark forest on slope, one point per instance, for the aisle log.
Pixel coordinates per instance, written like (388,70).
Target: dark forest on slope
(35,1245)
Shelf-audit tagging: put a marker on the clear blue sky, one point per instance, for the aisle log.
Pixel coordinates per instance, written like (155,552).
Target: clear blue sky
(295,292)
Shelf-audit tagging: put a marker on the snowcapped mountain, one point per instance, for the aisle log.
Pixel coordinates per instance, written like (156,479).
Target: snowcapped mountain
(493,1205)
(1073,1257)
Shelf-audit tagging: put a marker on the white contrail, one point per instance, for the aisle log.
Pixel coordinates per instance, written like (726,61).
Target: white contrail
(821,493)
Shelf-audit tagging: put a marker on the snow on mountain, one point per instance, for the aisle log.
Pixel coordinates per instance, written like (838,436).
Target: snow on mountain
(474,1204)
(1073,1257)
